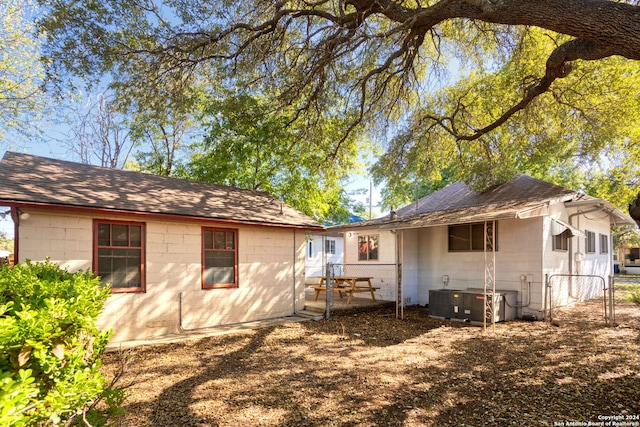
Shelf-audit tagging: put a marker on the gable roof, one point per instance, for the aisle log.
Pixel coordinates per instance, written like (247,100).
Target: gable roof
(39,181)
(457,204)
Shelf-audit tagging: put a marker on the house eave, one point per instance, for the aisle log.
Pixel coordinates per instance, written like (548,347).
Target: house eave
(617,217)
(154,215)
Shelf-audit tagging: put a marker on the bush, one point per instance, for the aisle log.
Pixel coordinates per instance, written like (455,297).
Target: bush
(50,347)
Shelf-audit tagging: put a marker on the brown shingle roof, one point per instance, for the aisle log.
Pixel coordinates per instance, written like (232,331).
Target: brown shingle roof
(457,204)
(43,181)
(522,190)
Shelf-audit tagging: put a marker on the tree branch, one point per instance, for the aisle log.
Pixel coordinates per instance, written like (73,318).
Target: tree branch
(558,66)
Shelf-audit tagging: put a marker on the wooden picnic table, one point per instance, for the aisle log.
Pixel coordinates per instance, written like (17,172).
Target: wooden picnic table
(348,285)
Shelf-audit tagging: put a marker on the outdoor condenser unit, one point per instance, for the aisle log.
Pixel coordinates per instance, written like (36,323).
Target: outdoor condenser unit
(503,304)
(468,305)
(446,304)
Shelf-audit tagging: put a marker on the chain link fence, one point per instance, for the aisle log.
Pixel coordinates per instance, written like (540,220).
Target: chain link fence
(567,289)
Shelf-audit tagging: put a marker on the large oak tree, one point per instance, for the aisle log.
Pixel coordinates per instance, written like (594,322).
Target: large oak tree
(382,62)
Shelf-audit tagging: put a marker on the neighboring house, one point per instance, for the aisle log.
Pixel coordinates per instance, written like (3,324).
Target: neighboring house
(323,248)
(438,242)
(628,259)
(179,254)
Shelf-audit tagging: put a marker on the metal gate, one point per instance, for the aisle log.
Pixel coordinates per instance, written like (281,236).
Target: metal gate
(566,289)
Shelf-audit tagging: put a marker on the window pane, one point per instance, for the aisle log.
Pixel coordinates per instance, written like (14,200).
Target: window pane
(219,268)
(135,235)
(119,235)
(561,241)
(219,240)
(208,239)
(104,234)
(604,244)
(104,265)
(477,237)
(231,240)
(120,267)
(459,239)
(591,242)
(373,247)
(363,248)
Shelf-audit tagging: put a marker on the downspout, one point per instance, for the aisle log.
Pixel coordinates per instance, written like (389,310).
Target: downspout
(15,216)
(599,208)
(295,310)
(181,303)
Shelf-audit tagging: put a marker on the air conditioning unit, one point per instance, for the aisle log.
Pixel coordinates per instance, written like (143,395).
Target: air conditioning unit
(503,304)
(468,305)
(445,303)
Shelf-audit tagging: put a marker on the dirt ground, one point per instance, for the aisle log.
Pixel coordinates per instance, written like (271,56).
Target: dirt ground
(371,369)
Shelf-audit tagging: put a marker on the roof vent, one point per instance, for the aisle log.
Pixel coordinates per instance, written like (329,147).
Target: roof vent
(393,214)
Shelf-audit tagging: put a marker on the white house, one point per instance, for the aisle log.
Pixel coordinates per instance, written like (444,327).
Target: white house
(322,249)
(438,242)
(178,254)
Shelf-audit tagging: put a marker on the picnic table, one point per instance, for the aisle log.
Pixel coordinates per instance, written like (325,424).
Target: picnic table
(347,284)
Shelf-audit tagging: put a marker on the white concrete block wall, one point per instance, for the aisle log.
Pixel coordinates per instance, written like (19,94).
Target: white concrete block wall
(382,271)
(43,236)
(519,253)
(576,260)
(271,273)
(410,263)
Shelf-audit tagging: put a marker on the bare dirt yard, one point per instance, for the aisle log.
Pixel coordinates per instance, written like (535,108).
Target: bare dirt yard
(371,369)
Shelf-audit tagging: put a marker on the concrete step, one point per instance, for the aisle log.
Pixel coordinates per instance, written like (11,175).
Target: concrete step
(312,314)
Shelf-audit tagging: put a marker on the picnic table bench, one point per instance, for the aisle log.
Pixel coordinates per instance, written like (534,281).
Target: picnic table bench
(347,284)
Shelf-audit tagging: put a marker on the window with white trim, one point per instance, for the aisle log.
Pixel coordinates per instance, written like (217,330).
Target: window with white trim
(561,241)
(604,244)
(330,247)
(590,242)
(368,248)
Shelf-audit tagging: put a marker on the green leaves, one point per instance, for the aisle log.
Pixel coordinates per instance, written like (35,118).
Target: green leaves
(581,134)
(21,72)
(251,144)
(445,84)
(49,345)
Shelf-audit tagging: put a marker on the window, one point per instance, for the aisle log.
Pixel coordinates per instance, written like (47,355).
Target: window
(590,242)
(561,241)
(118,254)
(470,237)
(367,248)
(310,250)
(330,247)
(604,244)
(219,258)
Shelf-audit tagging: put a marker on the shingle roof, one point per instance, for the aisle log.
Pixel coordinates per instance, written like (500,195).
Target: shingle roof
(457,204)
(522,190)
(43,181)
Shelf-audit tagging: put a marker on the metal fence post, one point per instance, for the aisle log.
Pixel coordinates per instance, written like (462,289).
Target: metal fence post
(328,282)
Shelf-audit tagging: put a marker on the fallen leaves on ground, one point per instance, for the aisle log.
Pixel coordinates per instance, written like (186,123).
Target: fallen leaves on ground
(371,369)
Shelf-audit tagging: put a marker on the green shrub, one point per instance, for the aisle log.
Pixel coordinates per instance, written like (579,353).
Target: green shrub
(50,347)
